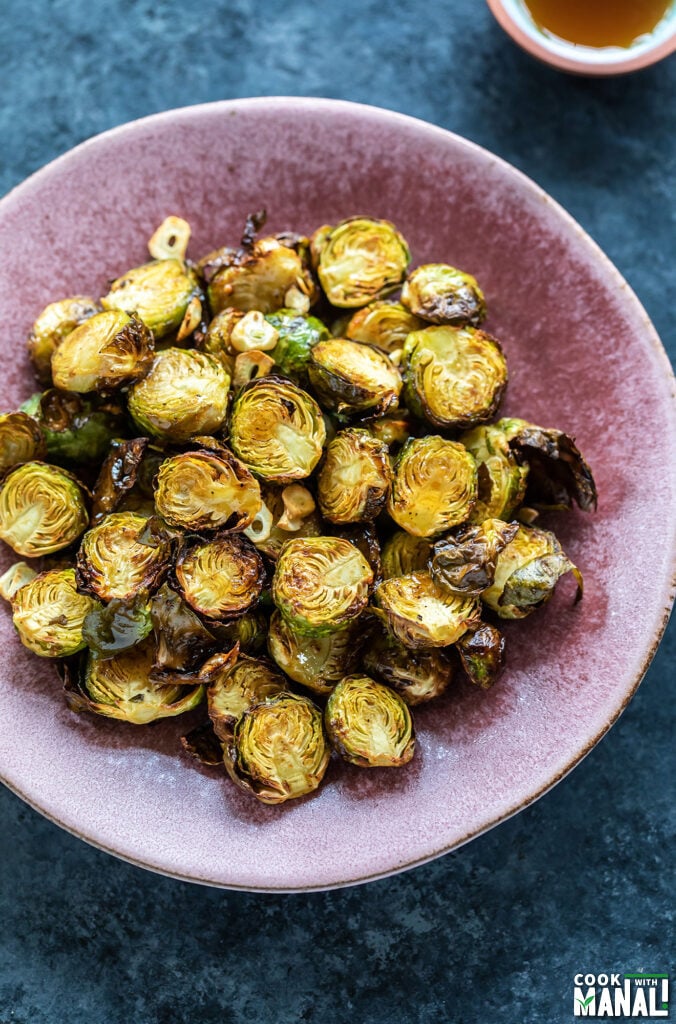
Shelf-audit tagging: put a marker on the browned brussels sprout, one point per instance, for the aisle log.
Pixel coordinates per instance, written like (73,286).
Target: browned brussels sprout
(527,572)
(117,626)
(394,428)
(183,641)
(434,486)
(365,538)
(277,430)
(21,440)
(417,676)
(420,613)
(465,560)
(383,324)
(56,321)
(77,430)
(404,553)
(207,490)
(317,662)
(220,578)
(355,478)
(203,745)
(279,751)
(216,341)
(557,471)
(118,475)
(369,724)
(235,685)
(113,561)
(48,613)
(159,293)
(321,584)
(268,276)
(107,351)
(286,512)
(444,295)
(250,631)
(184,395)
(482,654)
(358,260)
(42,509)
(501,480)
(353,378)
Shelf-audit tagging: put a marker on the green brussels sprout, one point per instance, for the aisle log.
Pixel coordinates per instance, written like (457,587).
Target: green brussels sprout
(482,653)
(358,260)
(113,561)
(317,662)
(454,377)
(220,578)
(278,751)
(42,509)
(443,295)
(183,641)
(404,553)
(21,440)
(527,572)
(107,351)
(273,526)
(235,685)
(355,477)
(434,486)
(184,394)
(501,480)
(277,429)
(17,576)
(369,724)
(118,475)
(298,334)
(420,613)
(48,613)
(117,626)
(207,490)
(353,378)
(266,278)
(417,676)
(76,429)
(394,428)
(321,584)
(465,560)
(56,321)
(383,324)
(557,471)
(159,293)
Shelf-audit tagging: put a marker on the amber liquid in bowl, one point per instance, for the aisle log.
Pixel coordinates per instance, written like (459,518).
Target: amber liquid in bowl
(598,22)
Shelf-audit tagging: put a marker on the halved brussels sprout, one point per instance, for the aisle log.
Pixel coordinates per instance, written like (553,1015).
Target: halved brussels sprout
(250,631)
(279,751)
(21,440)
(557,471)
(76,429)
(383,324)
(420,613)
(527,572)
(369,724)
(417,676)
(42,509)
(113,561)
(359,259)
(183,641)
(118,475)
(444,295)
(482,654)
(355,477)
(207,490)
(117,626)
(404,553)
(263,278)
(321,584)
(220,578)
(277,430)
(235,686)
(158,292)
(17,576)
(501,480)
(184,394)
(453,376)
(298,334)
(365,538)
(353,378)
(316,662)
(465,560)
(107,351)
(48,613)
(394,428)
(216,340)
(56,321)
(434,486)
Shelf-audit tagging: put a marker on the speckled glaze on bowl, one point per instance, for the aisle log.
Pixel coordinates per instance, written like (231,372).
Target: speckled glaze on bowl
(582,355)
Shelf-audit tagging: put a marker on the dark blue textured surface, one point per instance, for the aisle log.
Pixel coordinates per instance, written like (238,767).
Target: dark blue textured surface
(494,932)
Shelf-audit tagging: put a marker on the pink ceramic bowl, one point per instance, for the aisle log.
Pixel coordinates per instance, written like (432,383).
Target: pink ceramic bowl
(583,356)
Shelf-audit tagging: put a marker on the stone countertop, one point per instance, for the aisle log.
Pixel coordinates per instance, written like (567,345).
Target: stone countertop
(580,881)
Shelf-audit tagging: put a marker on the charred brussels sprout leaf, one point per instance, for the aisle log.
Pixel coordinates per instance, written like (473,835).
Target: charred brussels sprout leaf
(117,626)
(48,614)
(465,560)
(482,654)
(321,584)
(264,278)
(21,440)
(77,430)
(444,295)
(353,378)
(107,351)
(557,471)
(55,322)
(404,553)
(118,475)
(158,292)
(183,641)
(42,509)
(113,561)
(369,724)
(383,324)
(250,631)
(355,478)
(298,334)
(358,260)
(221,578)
(501,480)
(207,490)
(184,394)
(434,486)
(235,685)
(315,662)
(417,676)
(420,613)
(203,745)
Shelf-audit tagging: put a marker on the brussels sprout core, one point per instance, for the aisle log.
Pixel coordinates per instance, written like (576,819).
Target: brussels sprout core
(42,509)
(444,295)
(48,613)
(420,613)
(434,487)
(359,259)
(185,394)
(369,724)
(207,491)
(355,478)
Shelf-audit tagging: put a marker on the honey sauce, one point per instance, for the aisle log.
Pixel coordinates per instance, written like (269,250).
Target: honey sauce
(598,22)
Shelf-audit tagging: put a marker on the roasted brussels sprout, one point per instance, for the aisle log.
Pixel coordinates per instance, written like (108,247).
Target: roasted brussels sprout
(557,472)
(364,536)
(420,613)
(185,394)
(158,292)
(403,553)
(353,378)
(250,631)
(383,324)
(21,440)
(278,751)
(482,654)
(369,724)
(183,641)
(107,351)
(297,334)
(17,576)
(358,260)
(42,509)
(317,662)
(235,686)
(501,480)
(76,430)
(48,613)
(277,430)
(274,525)
(56,321)
(465,560)
(444,295)
(321,584)
(355,478)
(113,561)
(263,278)
(217,337)
(207,490)
(527,572)
(220,578)
(114,627)
(118,475)
(417,676)
(394,428)
(203,745)
(434,486)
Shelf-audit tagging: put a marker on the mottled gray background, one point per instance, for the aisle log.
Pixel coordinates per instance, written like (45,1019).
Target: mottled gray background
(494,932)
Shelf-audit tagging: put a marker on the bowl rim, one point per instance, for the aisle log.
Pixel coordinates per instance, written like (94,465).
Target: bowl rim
(320,105)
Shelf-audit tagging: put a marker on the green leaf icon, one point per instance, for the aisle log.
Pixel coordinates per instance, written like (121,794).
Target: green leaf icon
(584,1002)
